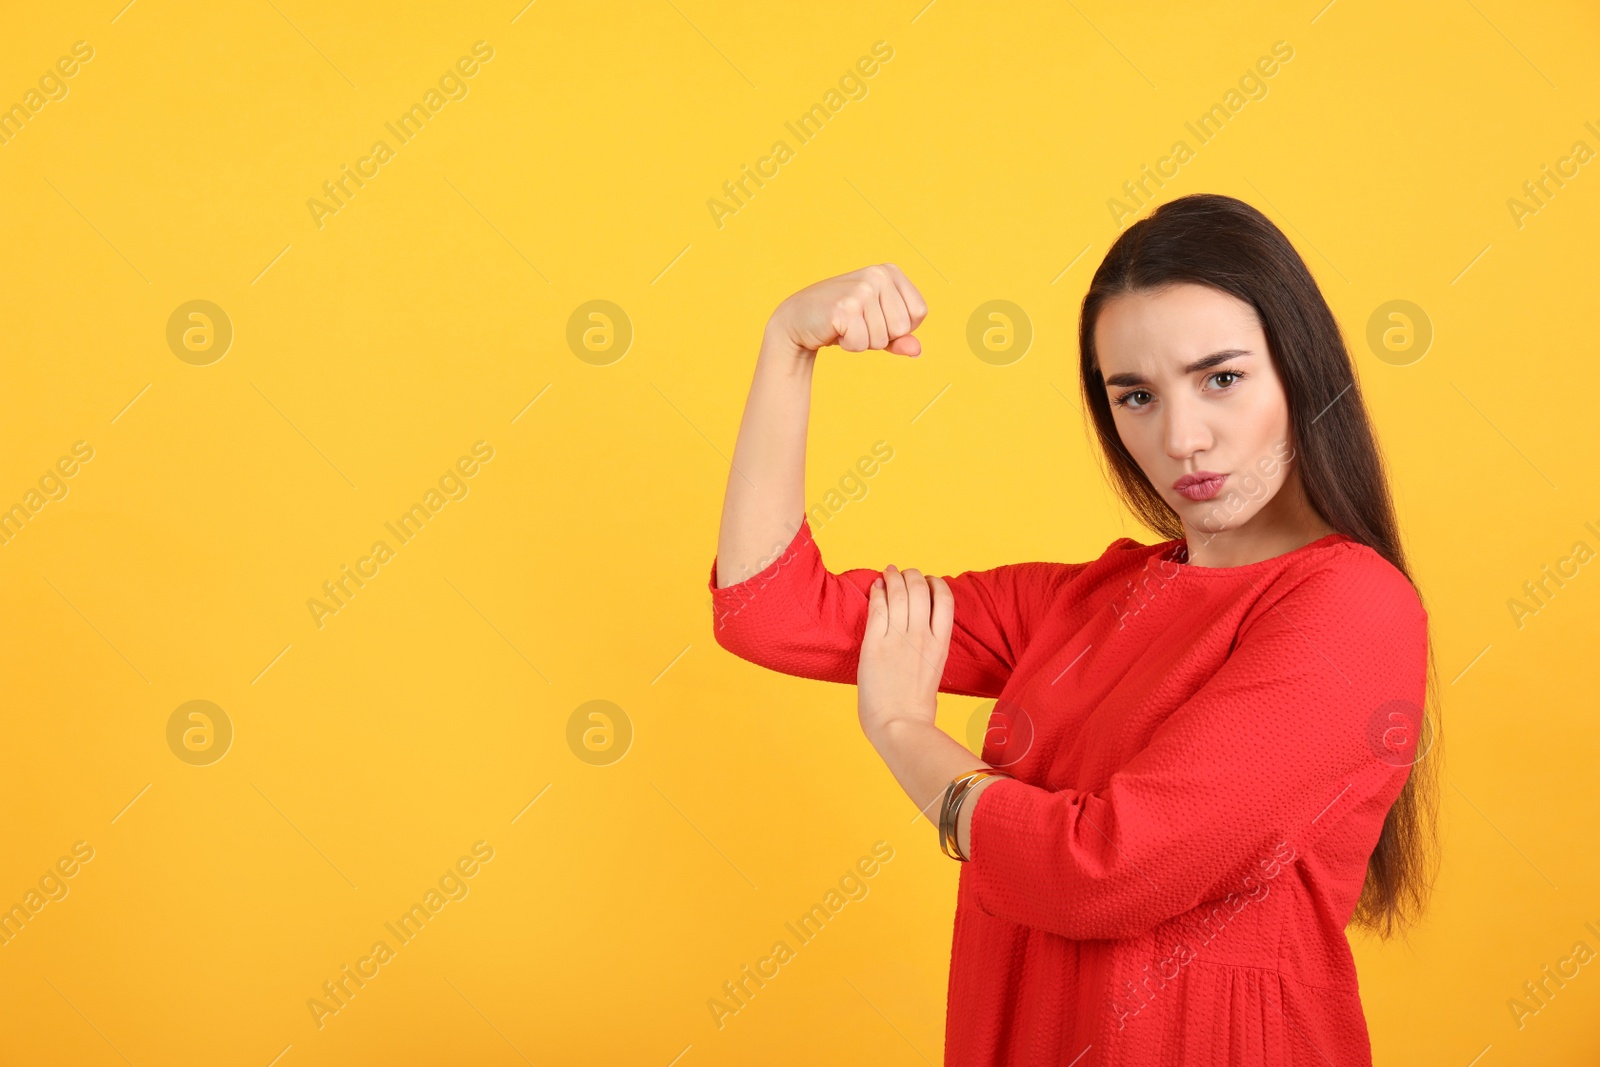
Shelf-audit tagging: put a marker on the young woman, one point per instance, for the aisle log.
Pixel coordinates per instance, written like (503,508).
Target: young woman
(1205,757)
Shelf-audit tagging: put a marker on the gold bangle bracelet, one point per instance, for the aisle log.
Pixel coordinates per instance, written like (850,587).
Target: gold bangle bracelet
(955,818)
(955,810)
(954,793)
(950,808)
(945,833)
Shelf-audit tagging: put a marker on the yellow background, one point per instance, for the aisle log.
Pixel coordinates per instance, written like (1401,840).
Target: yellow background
(430,712)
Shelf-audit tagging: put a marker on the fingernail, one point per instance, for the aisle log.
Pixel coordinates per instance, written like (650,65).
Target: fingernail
(877,583)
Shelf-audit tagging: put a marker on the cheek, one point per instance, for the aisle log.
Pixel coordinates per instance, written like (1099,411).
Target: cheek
(1138,440)
(1259,437)
(1134,431)
(1263,467)
(1269,418)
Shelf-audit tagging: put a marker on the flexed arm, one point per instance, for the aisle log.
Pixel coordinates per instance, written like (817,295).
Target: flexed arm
(774,602)
(875,307)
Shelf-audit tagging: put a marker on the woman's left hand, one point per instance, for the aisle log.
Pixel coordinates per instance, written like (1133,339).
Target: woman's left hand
(903,652)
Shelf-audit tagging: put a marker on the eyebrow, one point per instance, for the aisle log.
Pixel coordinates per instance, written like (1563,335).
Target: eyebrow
(1203,363)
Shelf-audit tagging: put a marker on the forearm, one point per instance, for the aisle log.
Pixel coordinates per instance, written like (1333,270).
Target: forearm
(923,759)
(765,497)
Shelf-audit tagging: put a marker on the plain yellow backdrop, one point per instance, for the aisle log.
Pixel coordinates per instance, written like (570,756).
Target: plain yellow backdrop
(374,346)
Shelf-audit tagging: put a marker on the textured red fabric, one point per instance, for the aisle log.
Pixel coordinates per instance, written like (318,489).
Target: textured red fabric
(1204,758)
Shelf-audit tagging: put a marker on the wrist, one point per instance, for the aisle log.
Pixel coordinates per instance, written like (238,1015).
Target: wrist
(897,732)
(779,346)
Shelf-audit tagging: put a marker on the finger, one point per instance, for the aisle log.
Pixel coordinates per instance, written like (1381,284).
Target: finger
(851,326)
(905,346)
(915,305)
(944,608)
(895,315)
(872,309)
(917,601)
(877,609)
(895,586)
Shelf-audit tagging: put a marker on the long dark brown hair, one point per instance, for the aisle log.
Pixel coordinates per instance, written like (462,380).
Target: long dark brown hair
(1218,241)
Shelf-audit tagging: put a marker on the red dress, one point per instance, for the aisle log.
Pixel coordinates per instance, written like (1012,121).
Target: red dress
(1204,758)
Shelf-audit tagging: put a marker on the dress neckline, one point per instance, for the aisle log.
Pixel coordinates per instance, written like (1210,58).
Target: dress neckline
(1172,550)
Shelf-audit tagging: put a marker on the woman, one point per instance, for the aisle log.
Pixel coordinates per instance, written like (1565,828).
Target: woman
(1203,757)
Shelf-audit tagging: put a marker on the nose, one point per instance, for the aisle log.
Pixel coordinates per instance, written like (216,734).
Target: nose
(1185,428)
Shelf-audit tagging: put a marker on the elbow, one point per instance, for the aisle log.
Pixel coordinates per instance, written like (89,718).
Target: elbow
(786,649)
(732,635)
(758,641)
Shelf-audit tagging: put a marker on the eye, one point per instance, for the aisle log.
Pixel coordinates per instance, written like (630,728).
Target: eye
(1132,398)
(1123,400)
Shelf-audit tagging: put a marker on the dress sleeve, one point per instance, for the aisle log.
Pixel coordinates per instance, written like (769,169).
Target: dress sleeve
(1316,710)
(799,618)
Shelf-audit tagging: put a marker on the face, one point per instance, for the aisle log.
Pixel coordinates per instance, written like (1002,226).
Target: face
(1193,391)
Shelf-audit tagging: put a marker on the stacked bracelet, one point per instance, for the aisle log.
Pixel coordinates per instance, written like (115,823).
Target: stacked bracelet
(950,808)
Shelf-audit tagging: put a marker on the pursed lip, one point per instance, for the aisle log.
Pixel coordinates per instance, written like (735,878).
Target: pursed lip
(1195,478)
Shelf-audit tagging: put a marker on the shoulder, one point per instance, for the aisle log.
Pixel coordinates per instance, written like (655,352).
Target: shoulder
(1346,630)
(1350,583)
